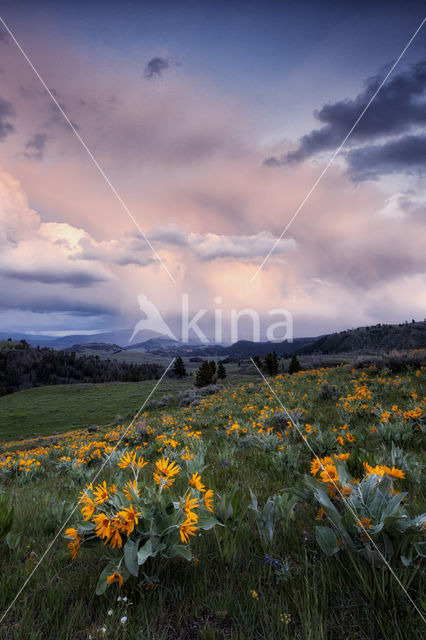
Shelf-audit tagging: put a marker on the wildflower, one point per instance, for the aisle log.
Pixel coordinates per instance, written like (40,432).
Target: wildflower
(126,460)
(315,466)
(74,544)
(329,474)
(365,523)
(350,437)
(103,526)
(394,473)
(101,493)
(130,489)
(123,620)
(88,506)
(188,506)
(164,472)
(129,518)
(208,500)
(254,594)
(340,440)
(320,514)
(187,455)
(346,490)
(342,456)
(110,612)
(195,481)
(115,577)
(187,529)
(115,537)
(285,618)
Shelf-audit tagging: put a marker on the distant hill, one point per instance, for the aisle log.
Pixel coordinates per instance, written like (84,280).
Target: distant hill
(375,339)
(94,348)
(285,348)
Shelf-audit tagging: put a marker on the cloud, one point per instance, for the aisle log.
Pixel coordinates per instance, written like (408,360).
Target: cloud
(35,146)
(6,111)
(399,106)
(155,67)
(212,246)
(36,251)
(407,154)
(171,234)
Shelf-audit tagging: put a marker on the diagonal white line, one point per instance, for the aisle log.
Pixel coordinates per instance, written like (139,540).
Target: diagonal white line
(90,154)
(76,506)
(336,153)
(348,506)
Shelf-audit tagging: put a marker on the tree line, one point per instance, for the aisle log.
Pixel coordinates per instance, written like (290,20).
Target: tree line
(30,367)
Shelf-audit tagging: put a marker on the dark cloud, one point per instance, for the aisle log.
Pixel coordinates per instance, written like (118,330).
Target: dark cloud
(35,147)
(6,111)
(155,67)
(406,154)
(399,105)
(44,276)
(47,304)
(171,235)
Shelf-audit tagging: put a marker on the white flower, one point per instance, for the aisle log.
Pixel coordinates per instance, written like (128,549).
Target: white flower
(125,599)
(118,598)
(123,620)
(103,630)
(110,612)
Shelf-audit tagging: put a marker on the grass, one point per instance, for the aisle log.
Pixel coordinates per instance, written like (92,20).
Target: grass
(43,411)
(314,598)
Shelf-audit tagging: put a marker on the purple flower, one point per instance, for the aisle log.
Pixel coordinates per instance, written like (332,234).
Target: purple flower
(224,463)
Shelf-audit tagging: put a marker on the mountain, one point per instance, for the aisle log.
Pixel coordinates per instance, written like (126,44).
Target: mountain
(381,337)
(94,348)
(285,348)
(374,339)
(33,340)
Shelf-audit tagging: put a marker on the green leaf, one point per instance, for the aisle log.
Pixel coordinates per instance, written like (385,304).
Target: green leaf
(102,585)
(176,550)
(131,557)
(420,547)
(326,539)
(206,522)
(145,552)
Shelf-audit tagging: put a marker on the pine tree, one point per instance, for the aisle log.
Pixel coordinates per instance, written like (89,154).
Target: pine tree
(179,368)
(212,365)
(221,371)
(294,365)
(204,375)
(270,364)
(258,362)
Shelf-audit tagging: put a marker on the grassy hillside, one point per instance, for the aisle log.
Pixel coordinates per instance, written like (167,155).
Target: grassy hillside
(263,574)
(374,339)
(42,411)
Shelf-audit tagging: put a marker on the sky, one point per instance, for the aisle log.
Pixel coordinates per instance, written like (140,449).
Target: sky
(198,129)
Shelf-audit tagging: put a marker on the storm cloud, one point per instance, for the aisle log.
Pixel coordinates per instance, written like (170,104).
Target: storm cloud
(407,154)
(155,67)
(7,110)
(399,107)
(35,147)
